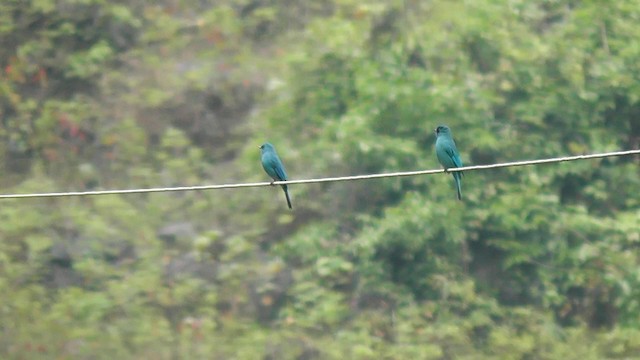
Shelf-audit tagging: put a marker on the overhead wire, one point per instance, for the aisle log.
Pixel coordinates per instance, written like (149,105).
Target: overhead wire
(320,180)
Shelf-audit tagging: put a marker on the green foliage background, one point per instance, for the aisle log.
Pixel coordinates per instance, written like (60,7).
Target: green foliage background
(536,263)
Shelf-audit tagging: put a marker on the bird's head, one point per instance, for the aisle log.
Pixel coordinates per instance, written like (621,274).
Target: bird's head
(266,147)
(442,129)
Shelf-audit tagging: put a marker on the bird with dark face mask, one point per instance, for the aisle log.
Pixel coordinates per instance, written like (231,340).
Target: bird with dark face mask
(272,164)
(448,155)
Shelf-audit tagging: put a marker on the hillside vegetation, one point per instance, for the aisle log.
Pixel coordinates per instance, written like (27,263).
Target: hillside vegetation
(536,262)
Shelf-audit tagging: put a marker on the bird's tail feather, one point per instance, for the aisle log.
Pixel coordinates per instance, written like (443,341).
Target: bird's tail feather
(286,193)
(458,186)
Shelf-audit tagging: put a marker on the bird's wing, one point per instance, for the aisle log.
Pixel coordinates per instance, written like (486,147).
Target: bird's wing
(455,157)
(278,168)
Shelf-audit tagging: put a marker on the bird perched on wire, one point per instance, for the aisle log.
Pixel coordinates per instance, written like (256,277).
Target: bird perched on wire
(448,155)
(272,164)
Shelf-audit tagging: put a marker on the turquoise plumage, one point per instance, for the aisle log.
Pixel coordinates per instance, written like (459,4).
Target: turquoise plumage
(274,167)
(448,155)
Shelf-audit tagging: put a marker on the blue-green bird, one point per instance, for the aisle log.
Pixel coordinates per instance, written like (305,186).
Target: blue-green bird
(273,166)
(448,155)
